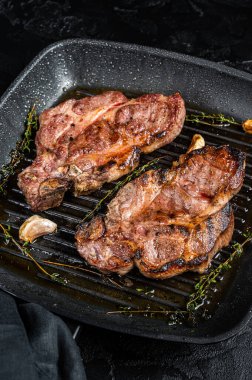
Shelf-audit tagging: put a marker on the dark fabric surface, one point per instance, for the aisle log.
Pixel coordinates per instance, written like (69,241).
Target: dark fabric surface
(36,344)
(219,30)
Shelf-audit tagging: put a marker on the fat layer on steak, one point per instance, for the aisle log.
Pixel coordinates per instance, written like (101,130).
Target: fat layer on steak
(85,143)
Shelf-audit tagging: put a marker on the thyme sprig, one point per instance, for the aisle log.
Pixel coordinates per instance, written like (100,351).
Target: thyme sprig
(25,250)
(197,299)
(17,154)
(215,120)
(31,125)
(109,194)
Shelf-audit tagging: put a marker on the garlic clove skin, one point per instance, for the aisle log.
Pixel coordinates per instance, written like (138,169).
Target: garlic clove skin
(36,226)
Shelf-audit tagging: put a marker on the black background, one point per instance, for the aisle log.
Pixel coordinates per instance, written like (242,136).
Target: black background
(216,30)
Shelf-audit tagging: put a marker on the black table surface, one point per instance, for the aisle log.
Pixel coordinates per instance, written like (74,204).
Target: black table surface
(219,30)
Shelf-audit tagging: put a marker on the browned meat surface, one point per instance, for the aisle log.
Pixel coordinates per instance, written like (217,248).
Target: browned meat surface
(109,251)
(161,251)
(202,183)
(85,143)
(167,251)
(168,221)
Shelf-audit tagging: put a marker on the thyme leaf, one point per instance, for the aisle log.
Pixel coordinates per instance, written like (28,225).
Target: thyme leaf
(17,154)
(25,250)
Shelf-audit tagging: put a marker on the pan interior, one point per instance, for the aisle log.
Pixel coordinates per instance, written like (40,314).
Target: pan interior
(114,293)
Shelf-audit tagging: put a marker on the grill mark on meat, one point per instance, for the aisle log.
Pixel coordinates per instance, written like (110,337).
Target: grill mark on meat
(108,253)
(93,108)
(198,264)
(78,137)
(168,238)
(90,180)
(176,196)
(196,242)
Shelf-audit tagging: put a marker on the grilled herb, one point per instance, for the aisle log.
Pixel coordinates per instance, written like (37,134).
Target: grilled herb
(136,173)
(17,154)
(196,299)
(31,125)
(25,250)
(215,120)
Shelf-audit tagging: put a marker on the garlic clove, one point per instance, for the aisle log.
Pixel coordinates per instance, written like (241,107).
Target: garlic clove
(36,226)
(197,142)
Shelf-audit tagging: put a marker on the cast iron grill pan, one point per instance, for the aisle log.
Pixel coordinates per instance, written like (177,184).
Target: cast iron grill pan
(110,292)
(88,295)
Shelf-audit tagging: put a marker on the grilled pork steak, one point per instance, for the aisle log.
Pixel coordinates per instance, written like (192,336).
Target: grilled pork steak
(160,251)
(199,185)
(168,221)
(85,143)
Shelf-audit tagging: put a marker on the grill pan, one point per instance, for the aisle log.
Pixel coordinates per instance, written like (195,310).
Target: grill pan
(88,296)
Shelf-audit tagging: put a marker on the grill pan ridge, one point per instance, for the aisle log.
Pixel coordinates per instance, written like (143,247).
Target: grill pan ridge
(88,296)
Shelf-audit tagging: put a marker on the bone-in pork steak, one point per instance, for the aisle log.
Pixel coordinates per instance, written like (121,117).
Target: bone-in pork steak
(168,221)
(198,186)
(85,143)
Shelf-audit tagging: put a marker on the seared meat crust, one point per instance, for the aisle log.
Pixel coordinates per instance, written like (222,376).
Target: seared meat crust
(105,250)
(198,186)
(168,221)
(159,252)
(85,143)
(171,250)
